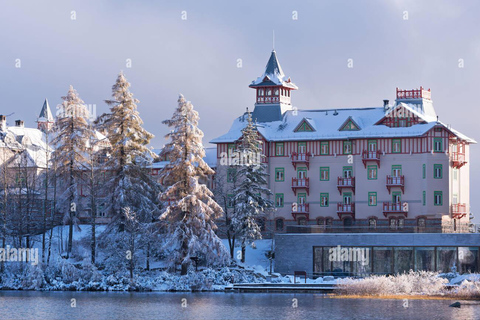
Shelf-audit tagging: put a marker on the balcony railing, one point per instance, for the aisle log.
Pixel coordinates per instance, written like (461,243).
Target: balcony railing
(346,183)
(343,208)
(414,94)
(459,210)
(395,207)
(301,158)
(300,183)
(458,159)
(396,181)
(371,156)
(302,209)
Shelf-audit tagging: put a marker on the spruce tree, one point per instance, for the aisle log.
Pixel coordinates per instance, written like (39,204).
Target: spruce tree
(191,216)
(250,199)
(72,134)
(129,181)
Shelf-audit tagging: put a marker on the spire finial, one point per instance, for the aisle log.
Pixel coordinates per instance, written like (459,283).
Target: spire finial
(273,40)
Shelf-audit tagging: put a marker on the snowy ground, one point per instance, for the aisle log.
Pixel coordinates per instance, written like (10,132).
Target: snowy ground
(78,274)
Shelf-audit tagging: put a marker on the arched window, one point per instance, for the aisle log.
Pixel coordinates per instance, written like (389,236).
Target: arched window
(393,223)
(320,221)
(372,223)
(279,224)
(401,223)
(328,221)
(421,222)
(302,221)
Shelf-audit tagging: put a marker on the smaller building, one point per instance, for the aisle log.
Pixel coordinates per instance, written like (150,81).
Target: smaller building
(339,254)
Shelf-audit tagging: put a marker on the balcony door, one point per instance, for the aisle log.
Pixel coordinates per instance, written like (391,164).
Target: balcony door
(347,172)
(347,198)
(302,173)
(396,171)
(396,174)
(397,198)
(302,198)
(302,148)
(372,145)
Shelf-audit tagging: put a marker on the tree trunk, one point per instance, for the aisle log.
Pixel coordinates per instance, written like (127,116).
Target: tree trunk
(148,256)
(184,269)
(243,251)
(70,236)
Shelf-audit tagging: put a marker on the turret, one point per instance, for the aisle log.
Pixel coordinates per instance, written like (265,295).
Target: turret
(273,92)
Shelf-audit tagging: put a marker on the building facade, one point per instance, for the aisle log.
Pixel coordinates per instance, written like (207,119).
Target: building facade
(390,168)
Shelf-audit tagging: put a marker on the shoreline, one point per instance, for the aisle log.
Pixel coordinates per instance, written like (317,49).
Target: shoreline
(402,297)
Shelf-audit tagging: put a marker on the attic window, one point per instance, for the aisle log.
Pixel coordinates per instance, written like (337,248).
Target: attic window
(303,127)
(350,126)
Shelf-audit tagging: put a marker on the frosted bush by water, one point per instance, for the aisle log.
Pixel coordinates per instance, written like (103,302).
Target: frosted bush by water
(411,283)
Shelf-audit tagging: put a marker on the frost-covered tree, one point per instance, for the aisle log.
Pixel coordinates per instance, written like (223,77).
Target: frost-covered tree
(130,182)
(192,214)
(71,141)
(250,197)
(222,194)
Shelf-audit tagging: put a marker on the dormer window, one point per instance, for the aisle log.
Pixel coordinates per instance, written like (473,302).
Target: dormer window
(260,92)
(269,92)
(276,92)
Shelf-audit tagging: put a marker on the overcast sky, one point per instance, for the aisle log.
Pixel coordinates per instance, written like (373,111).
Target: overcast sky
(393,44)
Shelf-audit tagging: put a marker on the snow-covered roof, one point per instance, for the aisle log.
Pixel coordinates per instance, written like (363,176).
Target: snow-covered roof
(327,124)
(273,75)
(31,140)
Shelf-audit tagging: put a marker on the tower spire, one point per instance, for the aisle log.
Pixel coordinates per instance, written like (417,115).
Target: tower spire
(273,40)
(45,118)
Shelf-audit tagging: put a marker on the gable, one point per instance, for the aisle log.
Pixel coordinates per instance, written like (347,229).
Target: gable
(349,125)
(400,116)
(304,126)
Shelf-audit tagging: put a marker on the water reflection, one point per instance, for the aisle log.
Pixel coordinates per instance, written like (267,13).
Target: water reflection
(101,305)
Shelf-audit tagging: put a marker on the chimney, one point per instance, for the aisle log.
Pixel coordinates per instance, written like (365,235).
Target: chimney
(19,123)
(3,123)
(385,105)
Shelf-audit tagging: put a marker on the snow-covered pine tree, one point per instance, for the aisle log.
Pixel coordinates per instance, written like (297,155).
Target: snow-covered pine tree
(192,216)
(130,182)
(250,196)
(72,134)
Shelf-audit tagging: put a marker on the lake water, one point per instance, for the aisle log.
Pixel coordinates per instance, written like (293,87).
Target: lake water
(107,305)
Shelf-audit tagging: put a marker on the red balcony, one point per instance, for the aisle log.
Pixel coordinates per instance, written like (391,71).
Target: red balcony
(301,209)
(345,209)
(393,181)
(395,207)
(457,153)
(301,158)
(298,183)
(371,156)
(414,94)
(343,183)
(459,210)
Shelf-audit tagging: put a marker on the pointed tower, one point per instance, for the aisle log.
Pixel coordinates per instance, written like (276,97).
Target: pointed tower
(45,119)
(273,92)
